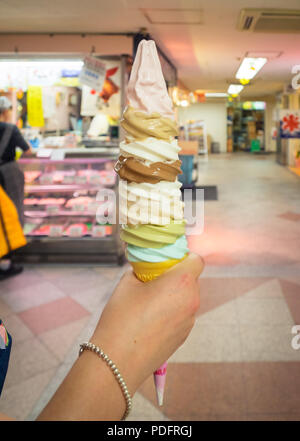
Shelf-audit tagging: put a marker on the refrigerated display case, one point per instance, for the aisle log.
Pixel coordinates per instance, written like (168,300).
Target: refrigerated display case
(62,206)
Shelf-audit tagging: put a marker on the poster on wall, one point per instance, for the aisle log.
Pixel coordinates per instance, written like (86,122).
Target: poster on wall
(289,123)
(35,115)
(108,100)
(93,73)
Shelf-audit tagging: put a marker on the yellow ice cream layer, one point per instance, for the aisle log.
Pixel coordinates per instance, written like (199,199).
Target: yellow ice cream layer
(153,236)
(142,125)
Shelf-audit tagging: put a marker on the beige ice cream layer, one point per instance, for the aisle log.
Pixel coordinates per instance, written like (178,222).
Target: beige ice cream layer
(141,125)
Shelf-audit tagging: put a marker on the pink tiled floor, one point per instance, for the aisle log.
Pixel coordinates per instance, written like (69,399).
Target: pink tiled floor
(237,363)
(52,315)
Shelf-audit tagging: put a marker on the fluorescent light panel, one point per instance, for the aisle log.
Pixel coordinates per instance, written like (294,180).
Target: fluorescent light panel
(235,89)
(216,95)
(250,67)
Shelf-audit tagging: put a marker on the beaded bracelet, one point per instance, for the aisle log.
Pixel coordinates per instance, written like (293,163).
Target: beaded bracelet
(98,351)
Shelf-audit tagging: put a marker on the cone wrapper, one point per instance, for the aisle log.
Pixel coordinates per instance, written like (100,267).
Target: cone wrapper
(147,271)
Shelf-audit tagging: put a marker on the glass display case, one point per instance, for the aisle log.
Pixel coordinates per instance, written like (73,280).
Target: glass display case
(65,219)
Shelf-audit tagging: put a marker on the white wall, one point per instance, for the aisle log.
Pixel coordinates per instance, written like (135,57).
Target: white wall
(214,114)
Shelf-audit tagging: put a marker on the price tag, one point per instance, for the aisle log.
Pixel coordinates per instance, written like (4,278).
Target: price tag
(52,209)
(58,155)
(55,230)
(43,153)
(68,179)
(95,179)
(99,231)
(78,207)
(75,231)
(46,179)
(80,180)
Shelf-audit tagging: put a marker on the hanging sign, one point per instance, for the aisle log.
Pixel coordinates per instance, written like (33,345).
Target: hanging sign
(289,123)
(93,73)
(35,113)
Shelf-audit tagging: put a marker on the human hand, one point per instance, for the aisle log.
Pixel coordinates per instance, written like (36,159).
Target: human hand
(144,323)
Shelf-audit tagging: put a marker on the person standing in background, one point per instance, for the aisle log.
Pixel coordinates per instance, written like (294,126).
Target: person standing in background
(11,177)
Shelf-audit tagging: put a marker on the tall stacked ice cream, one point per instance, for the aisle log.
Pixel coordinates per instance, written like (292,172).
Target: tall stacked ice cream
(148,165)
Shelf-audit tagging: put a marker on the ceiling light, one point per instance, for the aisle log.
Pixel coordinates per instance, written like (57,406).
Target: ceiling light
(250,67)
(184,103)
(235,89)
(216,95)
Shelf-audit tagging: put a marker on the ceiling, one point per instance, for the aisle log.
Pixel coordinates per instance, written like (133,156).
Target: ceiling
(206,46)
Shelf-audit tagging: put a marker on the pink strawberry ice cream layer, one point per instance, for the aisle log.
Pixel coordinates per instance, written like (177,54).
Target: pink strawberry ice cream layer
(147,89)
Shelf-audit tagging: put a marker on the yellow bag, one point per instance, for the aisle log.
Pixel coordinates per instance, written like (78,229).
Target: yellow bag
(11,233)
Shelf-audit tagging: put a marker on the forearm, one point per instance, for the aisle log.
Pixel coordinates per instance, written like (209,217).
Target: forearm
(89,392)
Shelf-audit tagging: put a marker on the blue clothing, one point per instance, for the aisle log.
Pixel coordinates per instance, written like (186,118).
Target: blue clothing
(5,347)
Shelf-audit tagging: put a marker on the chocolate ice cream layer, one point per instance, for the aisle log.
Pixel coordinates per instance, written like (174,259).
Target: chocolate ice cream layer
(132,170)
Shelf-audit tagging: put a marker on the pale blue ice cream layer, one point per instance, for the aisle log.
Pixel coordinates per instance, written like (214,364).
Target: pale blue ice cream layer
(176,250)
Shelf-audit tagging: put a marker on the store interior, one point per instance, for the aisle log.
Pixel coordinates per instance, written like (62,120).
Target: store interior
(232,72)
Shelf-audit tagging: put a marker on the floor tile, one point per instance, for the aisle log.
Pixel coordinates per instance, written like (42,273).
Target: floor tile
(267,343)
(80,282)
(28,358)
(274,417)
(272,387)
(211,311)
(52,315)
(32,295)
(142,409)
(24,394)
(28,277)
(200,389)
(263,311)
(65,335)
(219,259)
(96,297)
(17,329)
(291,216)
(5,310)
(210,342)
(291,292)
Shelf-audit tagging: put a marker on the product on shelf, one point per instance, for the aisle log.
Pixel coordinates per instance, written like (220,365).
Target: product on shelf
(78,229)
(28,228)
(31,201)
(31,176)
(80,203)
(51,201)
(154,243)
(61,208)
(51,230)
(101,230)
(107,177)
(63,176)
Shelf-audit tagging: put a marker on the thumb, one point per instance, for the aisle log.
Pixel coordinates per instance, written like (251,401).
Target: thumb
(192,264)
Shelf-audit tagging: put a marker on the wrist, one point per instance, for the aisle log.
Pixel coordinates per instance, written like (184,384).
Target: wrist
(123,356)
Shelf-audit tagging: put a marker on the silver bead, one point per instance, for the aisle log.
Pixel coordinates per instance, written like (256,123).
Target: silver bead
(110,363)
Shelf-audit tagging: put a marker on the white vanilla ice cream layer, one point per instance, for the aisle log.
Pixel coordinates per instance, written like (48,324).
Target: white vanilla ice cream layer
(144,203)
(151,149)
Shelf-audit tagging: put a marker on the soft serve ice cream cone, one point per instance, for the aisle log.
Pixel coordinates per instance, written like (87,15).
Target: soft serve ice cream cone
(150,198)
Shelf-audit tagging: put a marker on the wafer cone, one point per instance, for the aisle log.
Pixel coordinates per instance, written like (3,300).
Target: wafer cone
(147,271)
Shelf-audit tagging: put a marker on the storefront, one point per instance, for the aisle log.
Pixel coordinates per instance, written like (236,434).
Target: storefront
(246,126)
(74,131)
